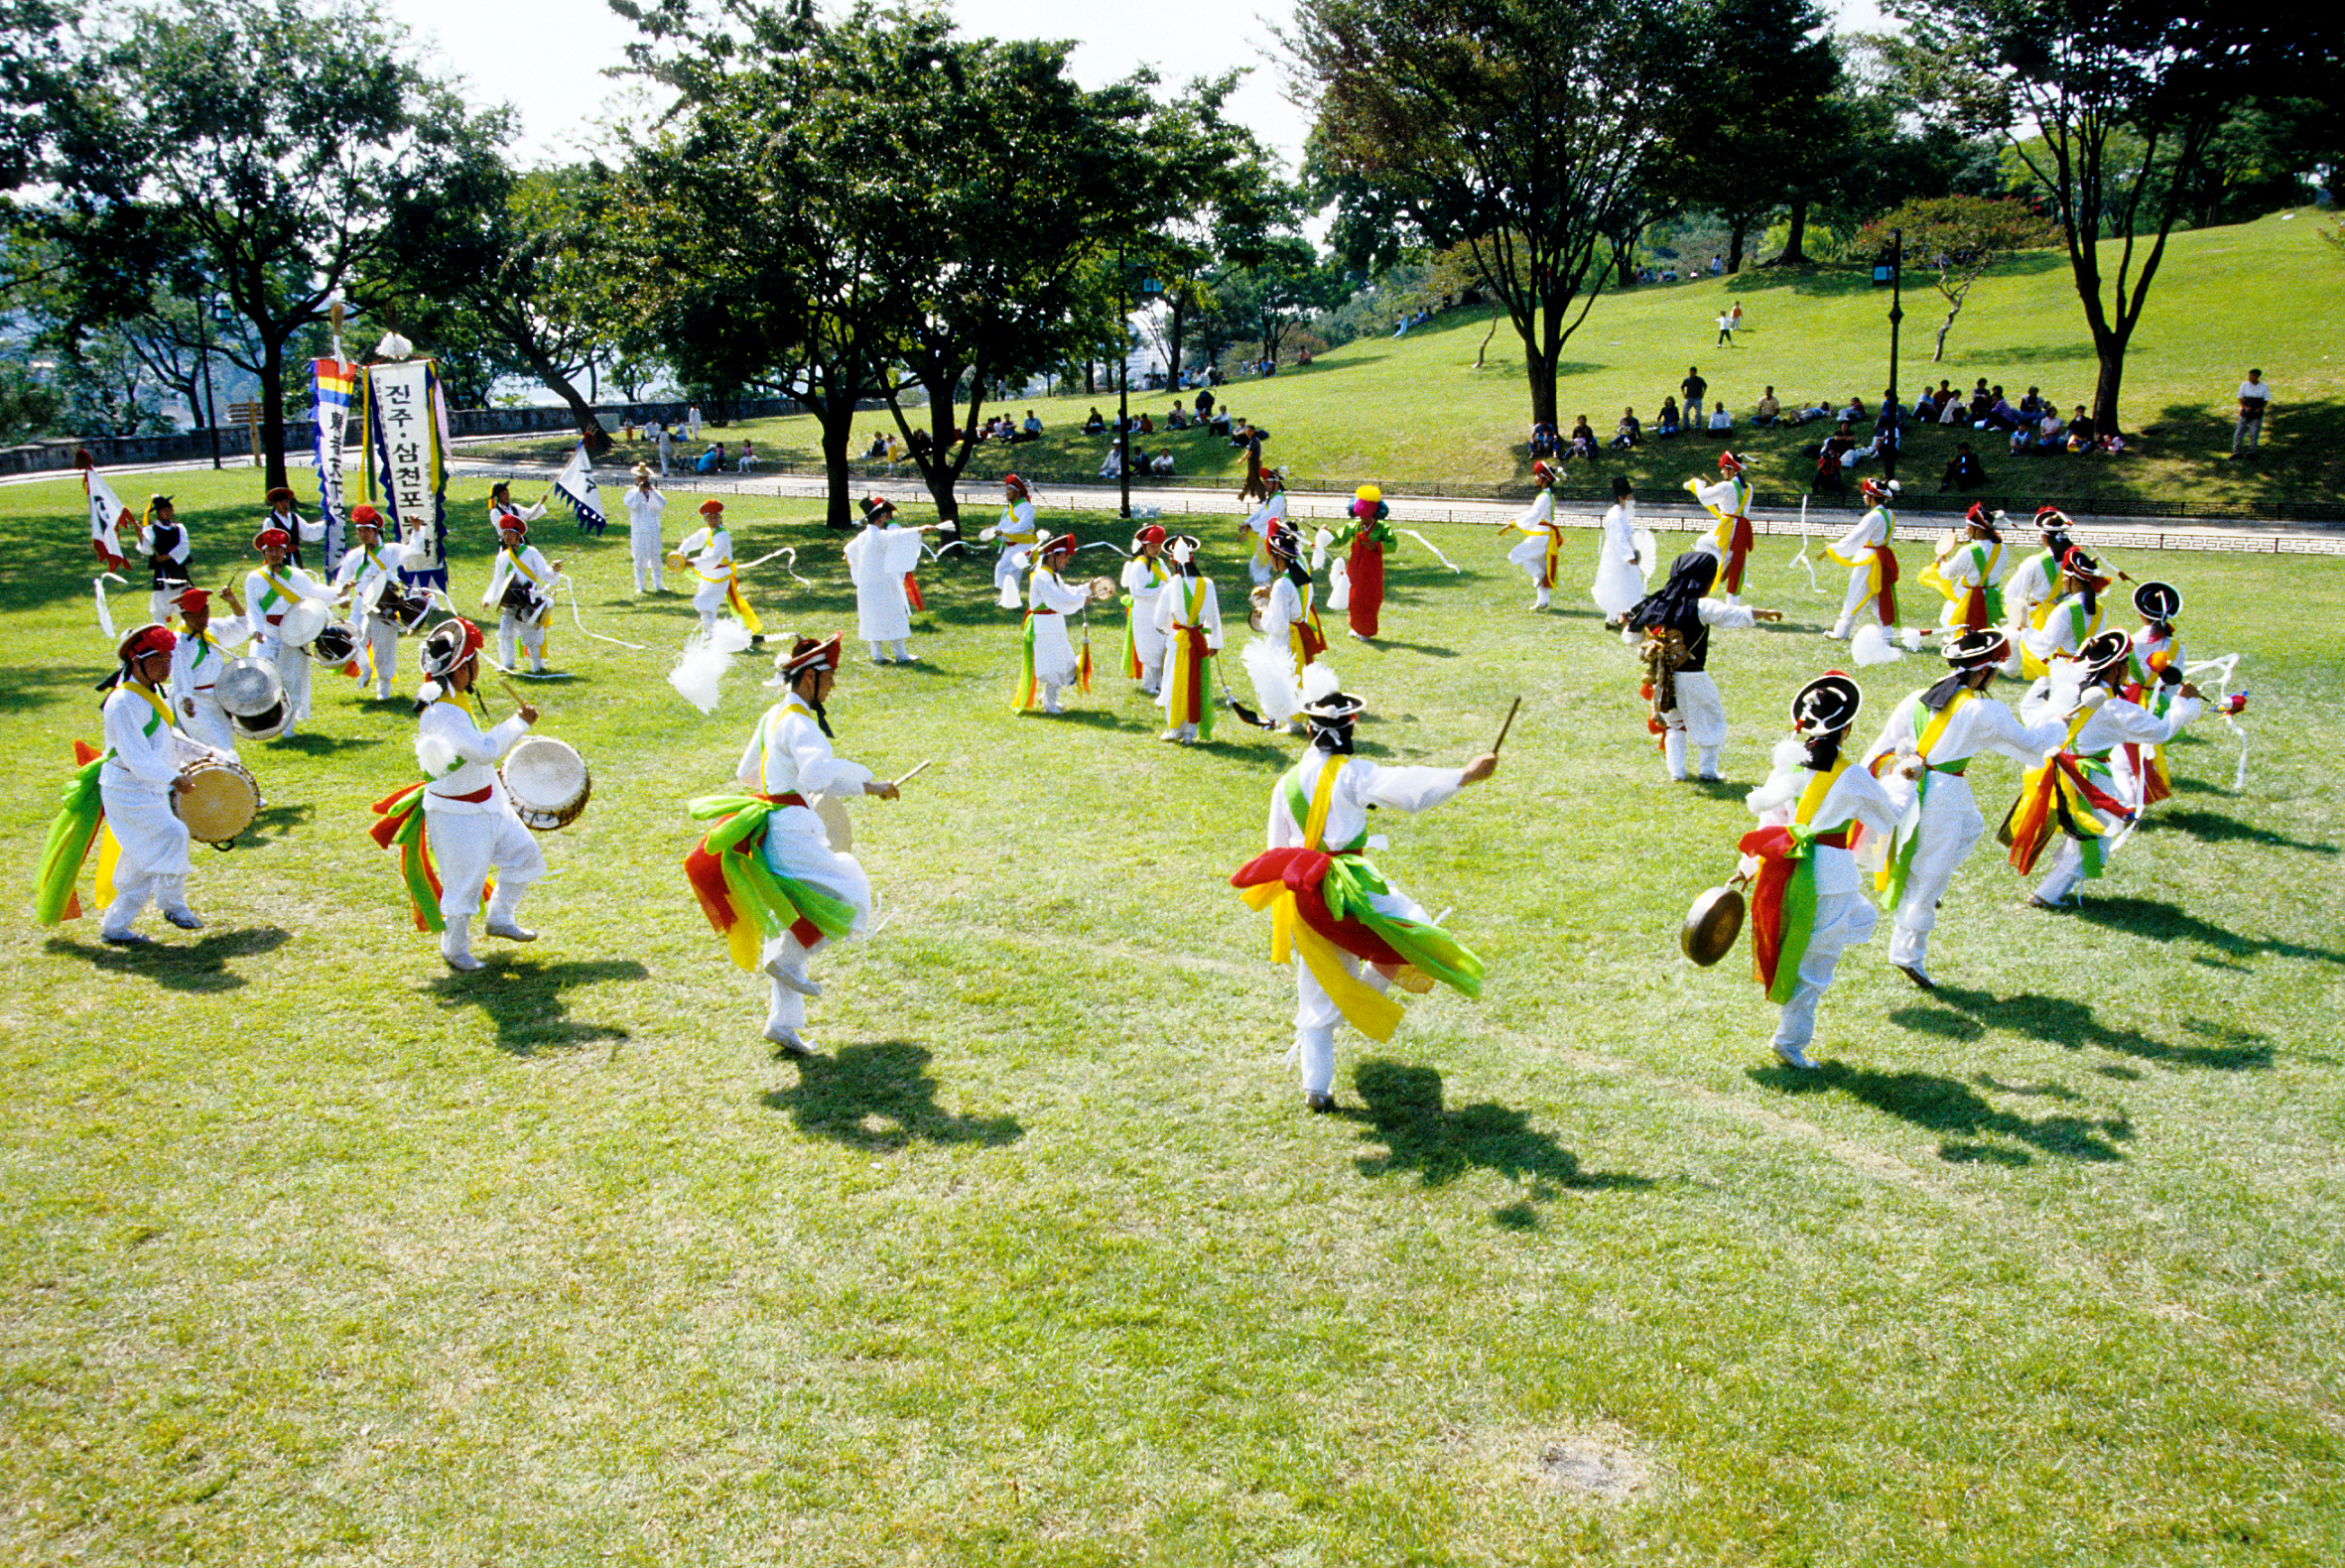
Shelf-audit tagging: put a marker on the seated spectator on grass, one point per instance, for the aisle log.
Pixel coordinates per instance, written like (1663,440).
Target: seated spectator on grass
(1628,433)
(1111,465)
(2001,415)
(878,446)
(1147,426)
(1032,430)
(749,462)
(1665,422)
(1163,464)
(1302,359)
(1204,402)
(1839,442)
(2032,404)
(708,462)
(1720,419)
(1952,410)
(1176,420)
(1583,440)
(1219,424)
(1827,481)
(1853,412)
(1096,424)
(1964,471)
(1769,410)
(1982,400)
(1542,439)
(1810,412)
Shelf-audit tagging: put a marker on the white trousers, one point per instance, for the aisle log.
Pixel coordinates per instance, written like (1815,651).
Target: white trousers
(152,865)
(1843,920)
(1699,719)
(643,544)
(1316,1014)
(382,640)
(1950,828)
(1531,556)
(1008,573)
(530,635)
(293,669)
(468,845)
(1859,590)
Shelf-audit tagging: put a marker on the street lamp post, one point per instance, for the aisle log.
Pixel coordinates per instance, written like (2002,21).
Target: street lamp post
(1888,463)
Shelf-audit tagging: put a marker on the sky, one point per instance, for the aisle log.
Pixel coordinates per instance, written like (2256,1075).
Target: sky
(545,56)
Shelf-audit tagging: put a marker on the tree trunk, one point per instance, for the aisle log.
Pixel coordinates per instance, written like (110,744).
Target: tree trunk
(1539,367)
(837,435)
(1794,248)
(1179,312)
(1090,386)
(273,413)
(1735,234)
(2109,350)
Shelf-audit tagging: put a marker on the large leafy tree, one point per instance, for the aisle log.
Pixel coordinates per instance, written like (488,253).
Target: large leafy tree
(1513,126)
(515,265)
(1954,242)
(2112,107)
(264,143)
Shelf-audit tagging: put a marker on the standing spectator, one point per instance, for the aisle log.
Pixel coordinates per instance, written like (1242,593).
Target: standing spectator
(1694,388)
(1733,316)
(666,445)
(692,421)
(2246,432)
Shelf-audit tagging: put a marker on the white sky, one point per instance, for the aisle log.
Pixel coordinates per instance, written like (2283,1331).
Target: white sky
(545,56)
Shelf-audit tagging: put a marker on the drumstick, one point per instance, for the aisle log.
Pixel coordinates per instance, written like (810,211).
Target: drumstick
(915,773)
(512,692)
(1503,728)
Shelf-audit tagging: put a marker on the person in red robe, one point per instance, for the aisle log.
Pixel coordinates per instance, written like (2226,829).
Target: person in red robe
(1364,568)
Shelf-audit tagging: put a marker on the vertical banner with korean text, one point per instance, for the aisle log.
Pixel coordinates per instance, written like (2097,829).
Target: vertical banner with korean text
(406,430)
(331,382)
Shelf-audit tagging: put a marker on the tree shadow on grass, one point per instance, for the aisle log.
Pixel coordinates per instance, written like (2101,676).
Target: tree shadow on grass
(1958,1113)
(197,966)
(24,687)
(880,1098)
(1404,1112)
(312,744)
(2216,829)
(525,1000)
(2166,923)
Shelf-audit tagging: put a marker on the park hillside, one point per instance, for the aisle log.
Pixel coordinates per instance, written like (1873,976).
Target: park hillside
(1439,411)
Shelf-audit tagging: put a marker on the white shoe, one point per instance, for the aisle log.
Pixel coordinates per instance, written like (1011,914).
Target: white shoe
(1794,1056)
(790,1040)
(792,977)
(461,963)
(1054,708)
(509,931)
(184,918)
(1175,737)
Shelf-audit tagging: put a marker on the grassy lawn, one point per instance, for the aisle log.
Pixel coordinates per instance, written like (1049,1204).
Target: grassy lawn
(310,1251)
(1413,413)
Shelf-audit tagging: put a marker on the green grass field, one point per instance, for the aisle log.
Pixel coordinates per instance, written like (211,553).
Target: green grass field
(310,1251)
(1413,413)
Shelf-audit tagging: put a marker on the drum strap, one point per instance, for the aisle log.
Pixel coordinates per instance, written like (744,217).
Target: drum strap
(274,588)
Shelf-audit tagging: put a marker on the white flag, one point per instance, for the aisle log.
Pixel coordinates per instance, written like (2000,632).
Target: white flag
(107,514)
(576,485)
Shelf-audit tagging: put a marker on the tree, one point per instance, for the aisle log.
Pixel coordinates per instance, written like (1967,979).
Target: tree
(1765,123)
(1956,241)
(1515,127)
(1260,303)
(522,261)
(266,145)
(2112,107)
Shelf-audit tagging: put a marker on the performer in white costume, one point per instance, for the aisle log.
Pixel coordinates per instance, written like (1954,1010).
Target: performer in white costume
(1873,564)
(2080,778)
(2034,587)
(788,761)
(1048,656)
(645,506)
(1540,550)
(195,662)
(1263,521)
(145,752)
(501,508)
(270,589)
(710,547)
(1805,812)
(298,530)
(1320,809)
(162,540)
(1670,629)
(1144,577)
(1189,621)
(2077,615)
(1730,538)
(521,614)
(1941,730)
(1017,535)
(468,815)
(1620,564)
(1971,574)
(368,567)
(879,559)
